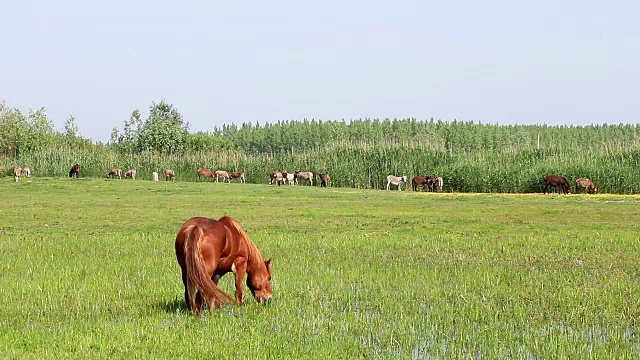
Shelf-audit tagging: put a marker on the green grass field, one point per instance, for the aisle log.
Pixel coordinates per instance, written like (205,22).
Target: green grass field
(88,270)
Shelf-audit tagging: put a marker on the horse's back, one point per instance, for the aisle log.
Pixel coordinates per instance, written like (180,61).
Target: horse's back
(209,226)
(553,179)
(221,238)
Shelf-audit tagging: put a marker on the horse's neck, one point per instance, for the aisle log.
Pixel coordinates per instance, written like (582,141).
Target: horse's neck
(253,256)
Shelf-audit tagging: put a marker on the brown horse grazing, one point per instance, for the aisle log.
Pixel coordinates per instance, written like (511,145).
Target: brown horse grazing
(169,174)
(75,171)
(419,181)
(275,177)
(324,179)
(237,175)
(555,181)
(207,249)
(114,172)
(16,174)
(303,175)
(205,173)
(588,185)
(130,174)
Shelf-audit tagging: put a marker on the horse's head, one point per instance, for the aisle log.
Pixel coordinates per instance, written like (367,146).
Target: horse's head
(595,189)
(259,282)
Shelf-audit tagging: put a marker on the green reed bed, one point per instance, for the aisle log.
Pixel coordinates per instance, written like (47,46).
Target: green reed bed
(87,270)
(519,170)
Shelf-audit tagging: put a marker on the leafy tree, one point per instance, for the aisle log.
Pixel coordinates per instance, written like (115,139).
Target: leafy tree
(13,130)
(164,130)
(70,127)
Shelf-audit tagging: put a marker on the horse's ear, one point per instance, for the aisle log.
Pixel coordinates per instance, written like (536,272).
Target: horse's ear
(267,265)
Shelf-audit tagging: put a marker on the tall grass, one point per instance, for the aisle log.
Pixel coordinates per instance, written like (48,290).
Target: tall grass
(366,166)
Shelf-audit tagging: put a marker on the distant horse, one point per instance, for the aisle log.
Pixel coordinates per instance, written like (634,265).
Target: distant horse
(114,172)
(205,173)
(208,249)
(588,185)
(303,175)
(155,176)
(130,174)
(324,179)
(169,175)
(224,175)
(289,178)
(419,181)
(275,177)
(436,184)
(237,175)
(16,174)
(26,171)
(396,181)
(555,181)
(75,171)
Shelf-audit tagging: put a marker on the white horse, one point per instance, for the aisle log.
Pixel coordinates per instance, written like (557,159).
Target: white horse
(16,174)
(396,181)
(27,172)
(289,178)
(303,175)
(155,176)
(225,176)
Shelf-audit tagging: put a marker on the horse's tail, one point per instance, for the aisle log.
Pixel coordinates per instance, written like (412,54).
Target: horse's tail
(196,272)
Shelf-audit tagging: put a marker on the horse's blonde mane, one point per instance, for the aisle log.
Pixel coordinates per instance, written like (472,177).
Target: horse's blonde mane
(254,253)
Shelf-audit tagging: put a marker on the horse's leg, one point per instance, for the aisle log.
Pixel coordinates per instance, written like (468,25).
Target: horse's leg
(544,191)
(216,279)
(388,185)
(239,270)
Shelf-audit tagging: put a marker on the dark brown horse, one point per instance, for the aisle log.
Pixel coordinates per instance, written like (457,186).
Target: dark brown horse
(207,249)
(75,171)
(555,181)
(419,181)
(324,179)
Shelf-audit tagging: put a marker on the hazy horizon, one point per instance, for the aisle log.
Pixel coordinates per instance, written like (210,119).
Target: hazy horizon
(569,63)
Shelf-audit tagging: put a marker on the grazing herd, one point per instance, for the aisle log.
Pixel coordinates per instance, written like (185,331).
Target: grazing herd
(433,183)
(18,172)
(295,178)
(423,183)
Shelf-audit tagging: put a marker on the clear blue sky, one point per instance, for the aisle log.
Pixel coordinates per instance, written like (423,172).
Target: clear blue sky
(554,62)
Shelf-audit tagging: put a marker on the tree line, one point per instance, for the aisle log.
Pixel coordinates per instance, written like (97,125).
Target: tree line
(164,131)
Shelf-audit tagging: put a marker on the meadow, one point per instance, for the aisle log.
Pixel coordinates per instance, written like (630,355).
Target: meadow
(88,270)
